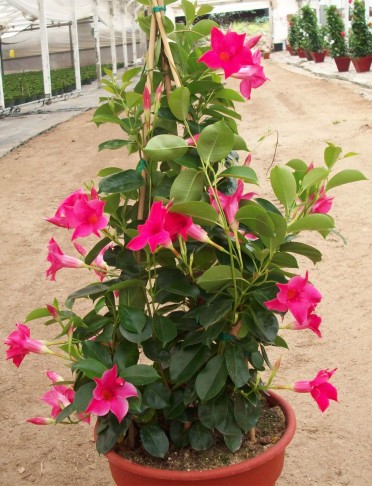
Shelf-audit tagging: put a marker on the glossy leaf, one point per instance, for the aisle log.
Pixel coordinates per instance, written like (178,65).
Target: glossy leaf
(156,395)
(186,362)
(284,185)
(211,379)
(188,186)
(214,312)
(113,144)
(314,177)
(140,374)
(215,142)
(201,212)
(302,249)
(126,354)
(256,219)
(312,222)
(154,440)
(165,147)
(201,438)
(83,396)
(216,277)
(236,365)
(125,181)
(331,155)
(37,314)
(179,101)
(246,412)
(91,367)
(164,329)
(246,174)
(132,320)
(345,177)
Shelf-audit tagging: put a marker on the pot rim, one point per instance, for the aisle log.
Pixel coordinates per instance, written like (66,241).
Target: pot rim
(268,455)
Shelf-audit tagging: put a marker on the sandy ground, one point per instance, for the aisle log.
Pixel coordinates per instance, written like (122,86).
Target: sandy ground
(333,449)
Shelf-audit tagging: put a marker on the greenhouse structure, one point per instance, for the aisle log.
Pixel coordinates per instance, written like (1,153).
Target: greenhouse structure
(45,35)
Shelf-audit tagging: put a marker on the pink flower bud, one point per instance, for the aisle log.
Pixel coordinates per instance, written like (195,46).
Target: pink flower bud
(52,310)
(41,421)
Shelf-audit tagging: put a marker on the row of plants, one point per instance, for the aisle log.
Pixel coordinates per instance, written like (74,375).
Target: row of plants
(25,87)
(306,36)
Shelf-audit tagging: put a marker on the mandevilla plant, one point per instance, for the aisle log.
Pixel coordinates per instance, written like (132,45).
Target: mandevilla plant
(193,270)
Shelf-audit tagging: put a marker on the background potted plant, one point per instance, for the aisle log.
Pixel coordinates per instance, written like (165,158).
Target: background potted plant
(360,39)
(314,38)
(294,35)
(191,271)
(338,44)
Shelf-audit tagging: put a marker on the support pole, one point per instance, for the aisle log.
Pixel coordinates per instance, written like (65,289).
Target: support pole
(136,12)
(112,37)
(44,50)
(75,46)
(97,45)
(2,101)
(124,34)
(345,12)
(126,13)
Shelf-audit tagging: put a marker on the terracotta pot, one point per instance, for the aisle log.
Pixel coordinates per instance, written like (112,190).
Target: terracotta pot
(318,56)
(362,64)
(301,52)
(262,470)
(342,63)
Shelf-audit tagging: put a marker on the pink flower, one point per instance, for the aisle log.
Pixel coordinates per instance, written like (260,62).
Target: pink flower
(41,421)
(158,93)
(230,204)
(111,394)
(54,377)
(310,168)
(52,311)
(192,141)
(20,344)
(253,41)
(323,204)
(152,232)
(146,99)
(228,52)
(248,160)
(298,296)
(81,212)
(59,260)
(179,224)
(319,388)
(252,76)
(312,322)
(98,261)
(60,219)
(342,34)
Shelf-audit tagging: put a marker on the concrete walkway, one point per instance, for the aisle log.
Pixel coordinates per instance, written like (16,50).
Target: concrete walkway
(30,120)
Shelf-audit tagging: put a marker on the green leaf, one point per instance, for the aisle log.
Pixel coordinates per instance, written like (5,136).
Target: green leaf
(156,395)
(164,329)
(215,142)
(246,174)
(246,412)
(125,284)
(37,314)
(113,144)
(140,374)
(165,147)
(212,313)
(91,367)
(154,440)
(262,323)
(64,413)
(280,230)
(298,165)
(174,281)
(189,11)
(331,155)
(233,442)
(302,249)
(179,101)
(201,212)
(95,250)
(125,181)
(315,176)
(83,396)
(216,277)
(236,365)
(211,379)
(186,362)
(109,171)
(283,259)
(135,337)
(132,320)
(214,412)
(240,143)
(228,94)
(201,438)
(284,185)
(204,27)
(126,354)
(345,177)
(312,222)
(188,186)
(92,349)
(130,73)
(204,10)
(256,219)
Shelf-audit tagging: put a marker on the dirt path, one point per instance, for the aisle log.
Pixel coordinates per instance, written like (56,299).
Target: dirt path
(333,449)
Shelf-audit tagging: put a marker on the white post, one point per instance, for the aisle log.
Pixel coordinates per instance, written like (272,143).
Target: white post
(136,12)
(2,102)
(346,15)
(75,46)
(368,4)
(124,34)
(112,38)
(126,13)
(97,45)
(44,50)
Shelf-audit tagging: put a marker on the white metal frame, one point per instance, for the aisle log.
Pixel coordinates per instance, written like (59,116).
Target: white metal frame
(44,50)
